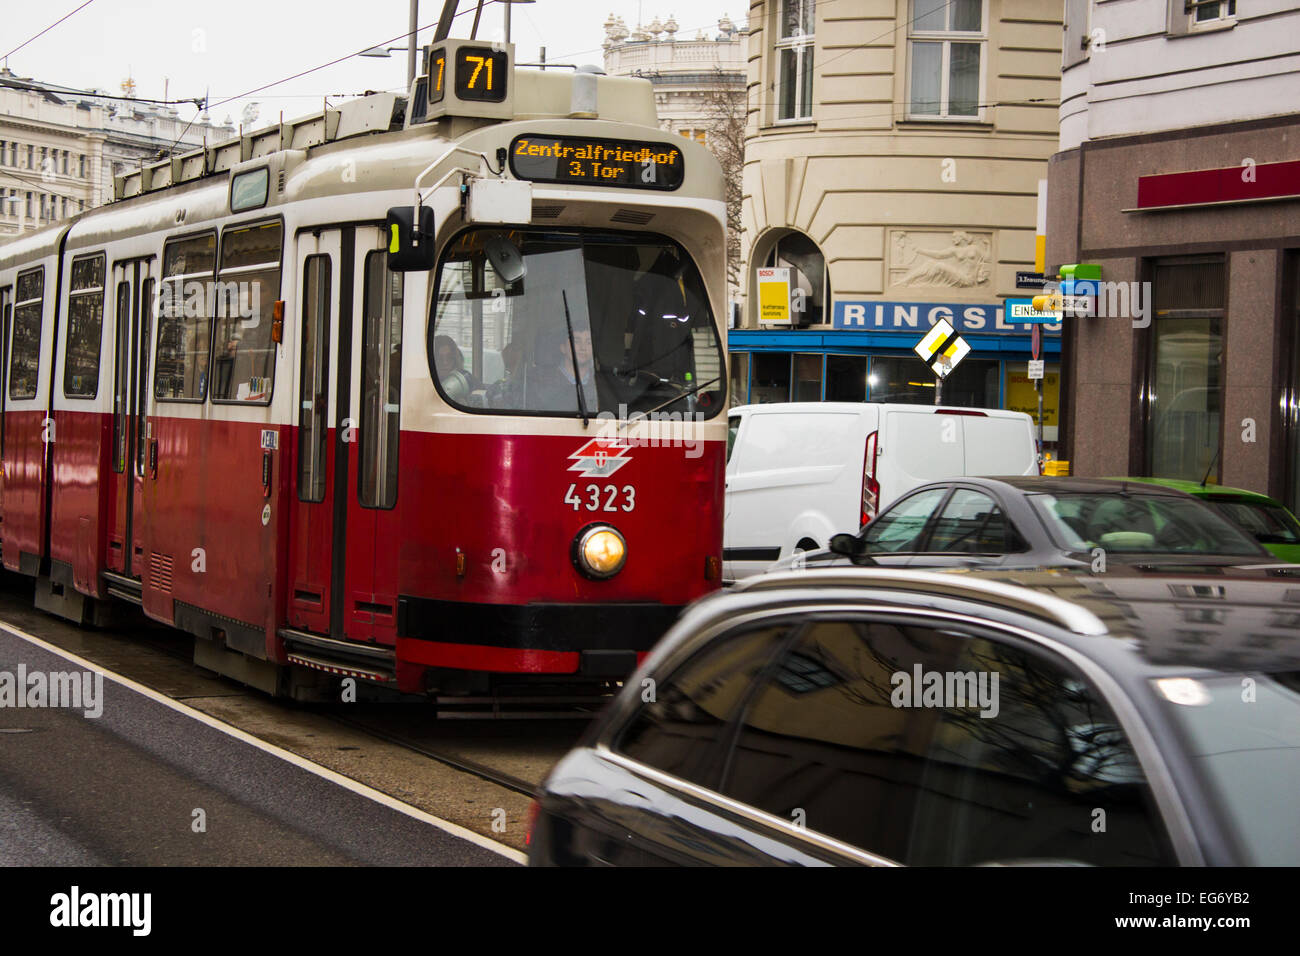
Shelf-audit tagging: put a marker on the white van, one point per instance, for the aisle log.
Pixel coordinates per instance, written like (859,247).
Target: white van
(799,472)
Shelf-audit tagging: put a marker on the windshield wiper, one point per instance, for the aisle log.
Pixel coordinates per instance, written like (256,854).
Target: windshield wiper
(577,375)
(676,398)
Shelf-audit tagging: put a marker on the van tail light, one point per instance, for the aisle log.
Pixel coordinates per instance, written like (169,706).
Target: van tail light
(870,486)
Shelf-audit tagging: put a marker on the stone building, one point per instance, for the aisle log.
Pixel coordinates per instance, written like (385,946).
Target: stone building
(892,164)
(1178,172)
(60,148)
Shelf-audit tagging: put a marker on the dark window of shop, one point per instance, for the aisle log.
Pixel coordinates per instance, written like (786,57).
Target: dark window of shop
(809,283)
(676,730)
(822,741)
(808,378)
(1184,368)
(771,381)
(739,378)
(972,384)
(846,378)
(1035,768)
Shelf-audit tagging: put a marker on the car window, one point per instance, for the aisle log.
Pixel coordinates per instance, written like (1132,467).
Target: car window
(1141,523)
(733,426)
(1039,769)
(1268,523)
(821,743)
(972,523)
(899,528)
(683,714)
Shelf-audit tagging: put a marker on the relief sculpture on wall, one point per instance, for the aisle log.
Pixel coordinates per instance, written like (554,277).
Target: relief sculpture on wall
(941,259)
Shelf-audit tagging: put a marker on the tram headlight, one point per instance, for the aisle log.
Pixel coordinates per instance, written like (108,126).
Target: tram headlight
(599,551)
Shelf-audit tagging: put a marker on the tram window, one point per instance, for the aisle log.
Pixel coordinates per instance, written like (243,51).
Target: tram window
(24,356)
(6,315)
(638,333)
(315,379)
(248,190)
(142,382)
(247,286)
(85,327)
(184,319)
(121,375)
(381,384)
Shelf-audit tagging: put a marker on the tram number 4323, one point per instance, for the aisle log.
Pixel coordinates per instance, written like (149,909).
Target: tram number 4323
(615,498)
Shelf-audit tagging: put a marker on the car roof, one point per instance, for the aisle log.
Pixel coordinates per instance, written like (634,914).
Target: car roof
(1048,485)
(1199,490)
(1214,618)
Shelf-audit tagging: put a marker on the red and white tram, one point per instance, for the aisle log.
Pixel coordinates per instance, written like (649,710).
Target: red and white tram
(250,396)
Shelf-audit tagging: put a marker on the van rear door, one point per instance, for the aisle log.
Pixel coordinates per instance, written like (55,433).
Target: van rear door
(999,444)
(917,445)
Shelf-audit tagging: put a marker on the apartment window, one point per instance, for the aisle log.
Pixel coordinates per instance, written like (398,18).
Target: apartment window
(945,54)
(794,53)
(2,152)
(81,166)
(29,205)
(13,154)
(1189,16)
(1207,10)
(63,162)
(31,157)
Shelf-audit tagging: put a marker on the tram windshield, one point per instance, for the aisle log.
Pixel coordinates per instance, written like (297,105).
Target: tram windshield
(564,322)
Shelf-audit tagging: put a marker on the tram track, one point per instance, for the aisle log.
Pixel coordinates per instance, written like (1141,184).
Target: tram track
(482,771)
(486,756)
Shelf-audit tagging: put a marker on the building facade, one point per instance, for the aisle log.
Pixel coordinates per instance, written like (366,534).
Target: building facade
(684,72)
(60,148)
(1179,174)
(892,165)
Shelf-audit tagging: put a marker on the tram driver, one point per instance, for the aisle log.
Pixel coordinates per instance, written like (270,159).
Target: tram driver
(552,382)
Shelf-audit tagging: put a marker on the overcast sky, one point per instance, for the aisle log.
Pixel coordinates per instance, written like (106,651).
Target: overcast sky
(230,47)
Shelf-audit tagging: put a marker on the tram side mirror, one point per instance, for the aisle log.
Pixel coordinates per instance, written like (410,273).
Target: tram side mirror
(404,254)
(506,259)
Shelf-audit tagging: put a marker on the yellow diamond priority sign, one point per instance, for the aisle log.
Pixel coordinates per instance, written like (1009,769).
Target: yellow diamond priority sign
(942,348)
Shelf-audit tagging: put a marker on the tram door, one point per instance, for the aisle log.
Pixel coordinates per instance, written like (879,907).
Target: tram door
(342,568)
(132,306)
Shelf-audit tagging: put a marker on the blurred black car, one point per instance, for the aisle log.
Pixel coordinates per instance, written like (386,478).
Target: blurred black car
(887,717)
(1027,522)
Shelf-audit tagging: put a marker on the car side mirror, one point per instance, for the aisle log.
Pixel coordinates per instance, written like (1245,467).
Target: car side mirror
(845,544)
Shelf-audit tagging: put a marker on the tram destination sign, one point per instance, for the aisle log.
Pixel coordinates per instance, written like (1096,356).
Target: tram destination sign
(597,162)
